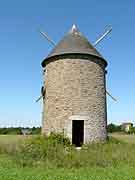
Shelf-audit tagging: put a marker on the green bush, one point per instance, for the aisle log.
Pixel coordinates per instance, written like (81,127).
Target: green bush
(131,130)
(113,128)
(35,130)
(40,149)
(58,138)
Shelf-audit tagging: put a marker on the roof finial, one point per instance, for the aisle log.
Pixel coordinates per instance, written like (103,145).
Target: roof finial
(74,29)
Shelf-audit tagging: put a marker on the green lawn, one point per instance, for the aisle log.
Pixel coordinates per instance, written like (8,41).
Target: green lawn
(11,171)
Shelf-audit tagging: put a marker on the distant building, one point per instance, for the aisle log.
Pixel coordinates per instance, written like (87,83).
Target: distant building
(126,126)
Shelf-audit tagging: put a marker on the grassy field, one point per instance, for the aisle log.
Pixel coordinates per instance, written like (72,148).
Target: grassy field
(124,137)
(9,170)
(12,139)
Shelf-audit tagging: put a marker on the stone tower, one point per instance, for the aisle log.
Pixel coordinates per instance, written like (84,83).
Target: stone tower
(75,90)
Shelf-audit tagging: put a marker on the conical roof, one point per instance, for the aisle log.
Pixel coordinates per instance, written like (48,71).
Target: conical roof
(73,43)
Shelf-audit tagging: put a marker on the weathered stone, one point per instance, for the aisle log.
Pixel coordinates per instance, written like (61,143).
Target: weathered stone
(75,88)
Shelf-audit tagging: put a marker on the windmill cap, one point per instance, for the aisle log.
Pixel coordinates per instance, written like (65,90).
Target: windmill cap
(73,43)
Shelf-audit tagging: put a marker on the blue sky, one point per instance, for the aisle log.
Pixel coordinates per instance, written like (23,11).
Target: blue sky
(22,49)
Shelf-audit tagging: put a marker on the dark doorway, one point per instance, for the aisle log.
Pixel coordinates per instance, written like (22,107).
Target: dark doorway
(77,132)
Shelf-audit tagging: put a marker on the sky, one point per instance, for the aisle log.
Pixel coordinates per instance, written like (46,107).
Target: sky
(22,50)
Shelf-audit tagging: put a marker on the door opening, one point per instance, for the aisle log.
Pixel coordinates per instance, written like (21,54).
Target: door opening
(77,132)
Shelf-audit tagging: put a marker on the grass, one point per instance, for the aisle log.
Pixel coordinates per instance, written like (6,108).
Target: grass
(12,139)
(10,142)
(124,137)
(9,171)
(111,161)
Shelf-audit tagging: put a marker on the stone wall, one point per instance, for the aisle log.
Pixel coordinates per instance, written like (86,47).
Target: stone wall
(75,84)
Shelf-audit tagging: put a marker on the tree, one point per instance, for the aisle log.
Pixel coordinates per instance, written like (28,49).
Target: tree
(113,128)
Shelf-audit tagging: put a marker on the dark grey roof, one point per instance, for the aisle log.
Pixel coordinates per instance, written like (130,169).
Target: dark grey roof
(73,43)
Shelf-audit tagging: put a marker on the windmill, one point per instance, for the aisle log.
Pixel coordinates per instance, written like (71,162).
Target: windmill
(104,34)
